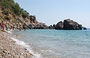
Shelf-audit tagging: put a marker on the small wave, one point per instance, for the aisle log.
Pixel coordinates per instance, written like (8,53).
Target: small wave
(50,51)
(23,44)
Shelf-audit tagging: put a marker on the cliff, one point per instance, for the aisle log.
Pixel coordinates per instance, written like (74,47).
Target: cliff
(14,14)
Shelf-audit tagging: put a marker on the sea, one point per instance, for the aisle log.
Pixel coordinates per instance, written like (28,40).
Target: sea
(50,43)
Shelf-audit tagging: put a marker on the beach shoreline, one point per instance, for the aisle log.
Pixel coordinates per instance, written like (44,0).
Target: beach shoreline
(9,48)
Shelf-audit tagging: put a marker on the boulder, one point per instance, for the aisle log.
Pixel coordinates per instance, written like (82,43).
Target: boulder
(71,25)
(59,25)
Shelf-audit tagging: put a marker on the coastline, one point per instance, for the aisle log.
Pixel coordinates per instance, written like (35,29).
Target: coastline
(9,48)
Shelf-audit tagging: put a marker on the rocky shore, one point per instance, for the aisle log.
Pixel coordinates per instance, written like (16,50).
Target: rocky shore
(8,48)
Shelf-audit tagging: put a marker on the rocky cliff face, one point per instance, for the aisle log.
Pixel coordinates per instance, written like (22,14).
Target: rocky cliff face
(14,14)
(29,21)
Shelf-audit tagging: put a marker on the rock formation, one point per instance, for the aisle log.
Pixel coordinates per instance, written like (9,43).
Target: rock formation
(67,24)
(71,25)
(59,25)
(38,26)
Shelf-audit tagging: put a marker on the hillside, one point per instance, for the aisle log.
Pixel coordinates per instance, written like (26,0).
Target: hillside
(14,14)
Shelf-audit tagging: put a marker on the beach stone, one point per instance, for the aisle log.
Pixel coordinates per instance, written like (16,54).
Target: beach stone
(9,48)
(21,57)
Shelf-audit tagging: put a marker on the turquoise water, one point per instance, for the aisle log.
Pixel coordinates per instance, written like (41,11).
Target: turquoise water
(57,43)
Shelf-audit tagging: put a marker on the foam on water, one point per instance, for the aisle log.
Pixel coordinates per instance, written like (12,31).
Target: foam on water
(36,55)
(25,45)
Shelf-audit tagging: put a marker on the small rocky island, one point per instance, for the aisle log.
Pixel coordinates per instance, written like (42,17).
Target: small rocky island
(67,24)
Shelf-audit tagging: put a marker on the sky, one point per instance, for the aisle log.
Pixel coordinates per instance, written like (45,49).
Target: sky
(52,11)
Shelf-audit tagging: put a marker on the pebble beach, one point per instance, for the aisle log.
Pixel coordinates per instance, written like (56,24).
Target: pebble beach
(9,49)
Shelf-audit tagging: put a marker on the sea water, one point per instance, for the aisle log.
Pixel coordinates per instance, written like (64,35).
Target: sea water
(57,43)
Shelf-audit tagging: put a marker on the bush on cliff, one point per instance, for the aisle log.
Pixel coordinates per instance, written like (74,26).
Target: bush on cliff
(14,7)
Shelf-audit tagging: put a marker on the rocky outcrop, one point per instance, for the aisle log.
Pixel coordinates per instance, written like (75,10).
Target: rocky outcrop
(9,16)
(67,24)
(38,26)
(71,25)
(59,25)
(11,12)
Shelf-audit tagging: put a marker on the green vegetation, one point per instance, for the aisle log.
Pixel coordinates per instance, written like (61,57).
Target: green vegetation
(13,7)
(12,12)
